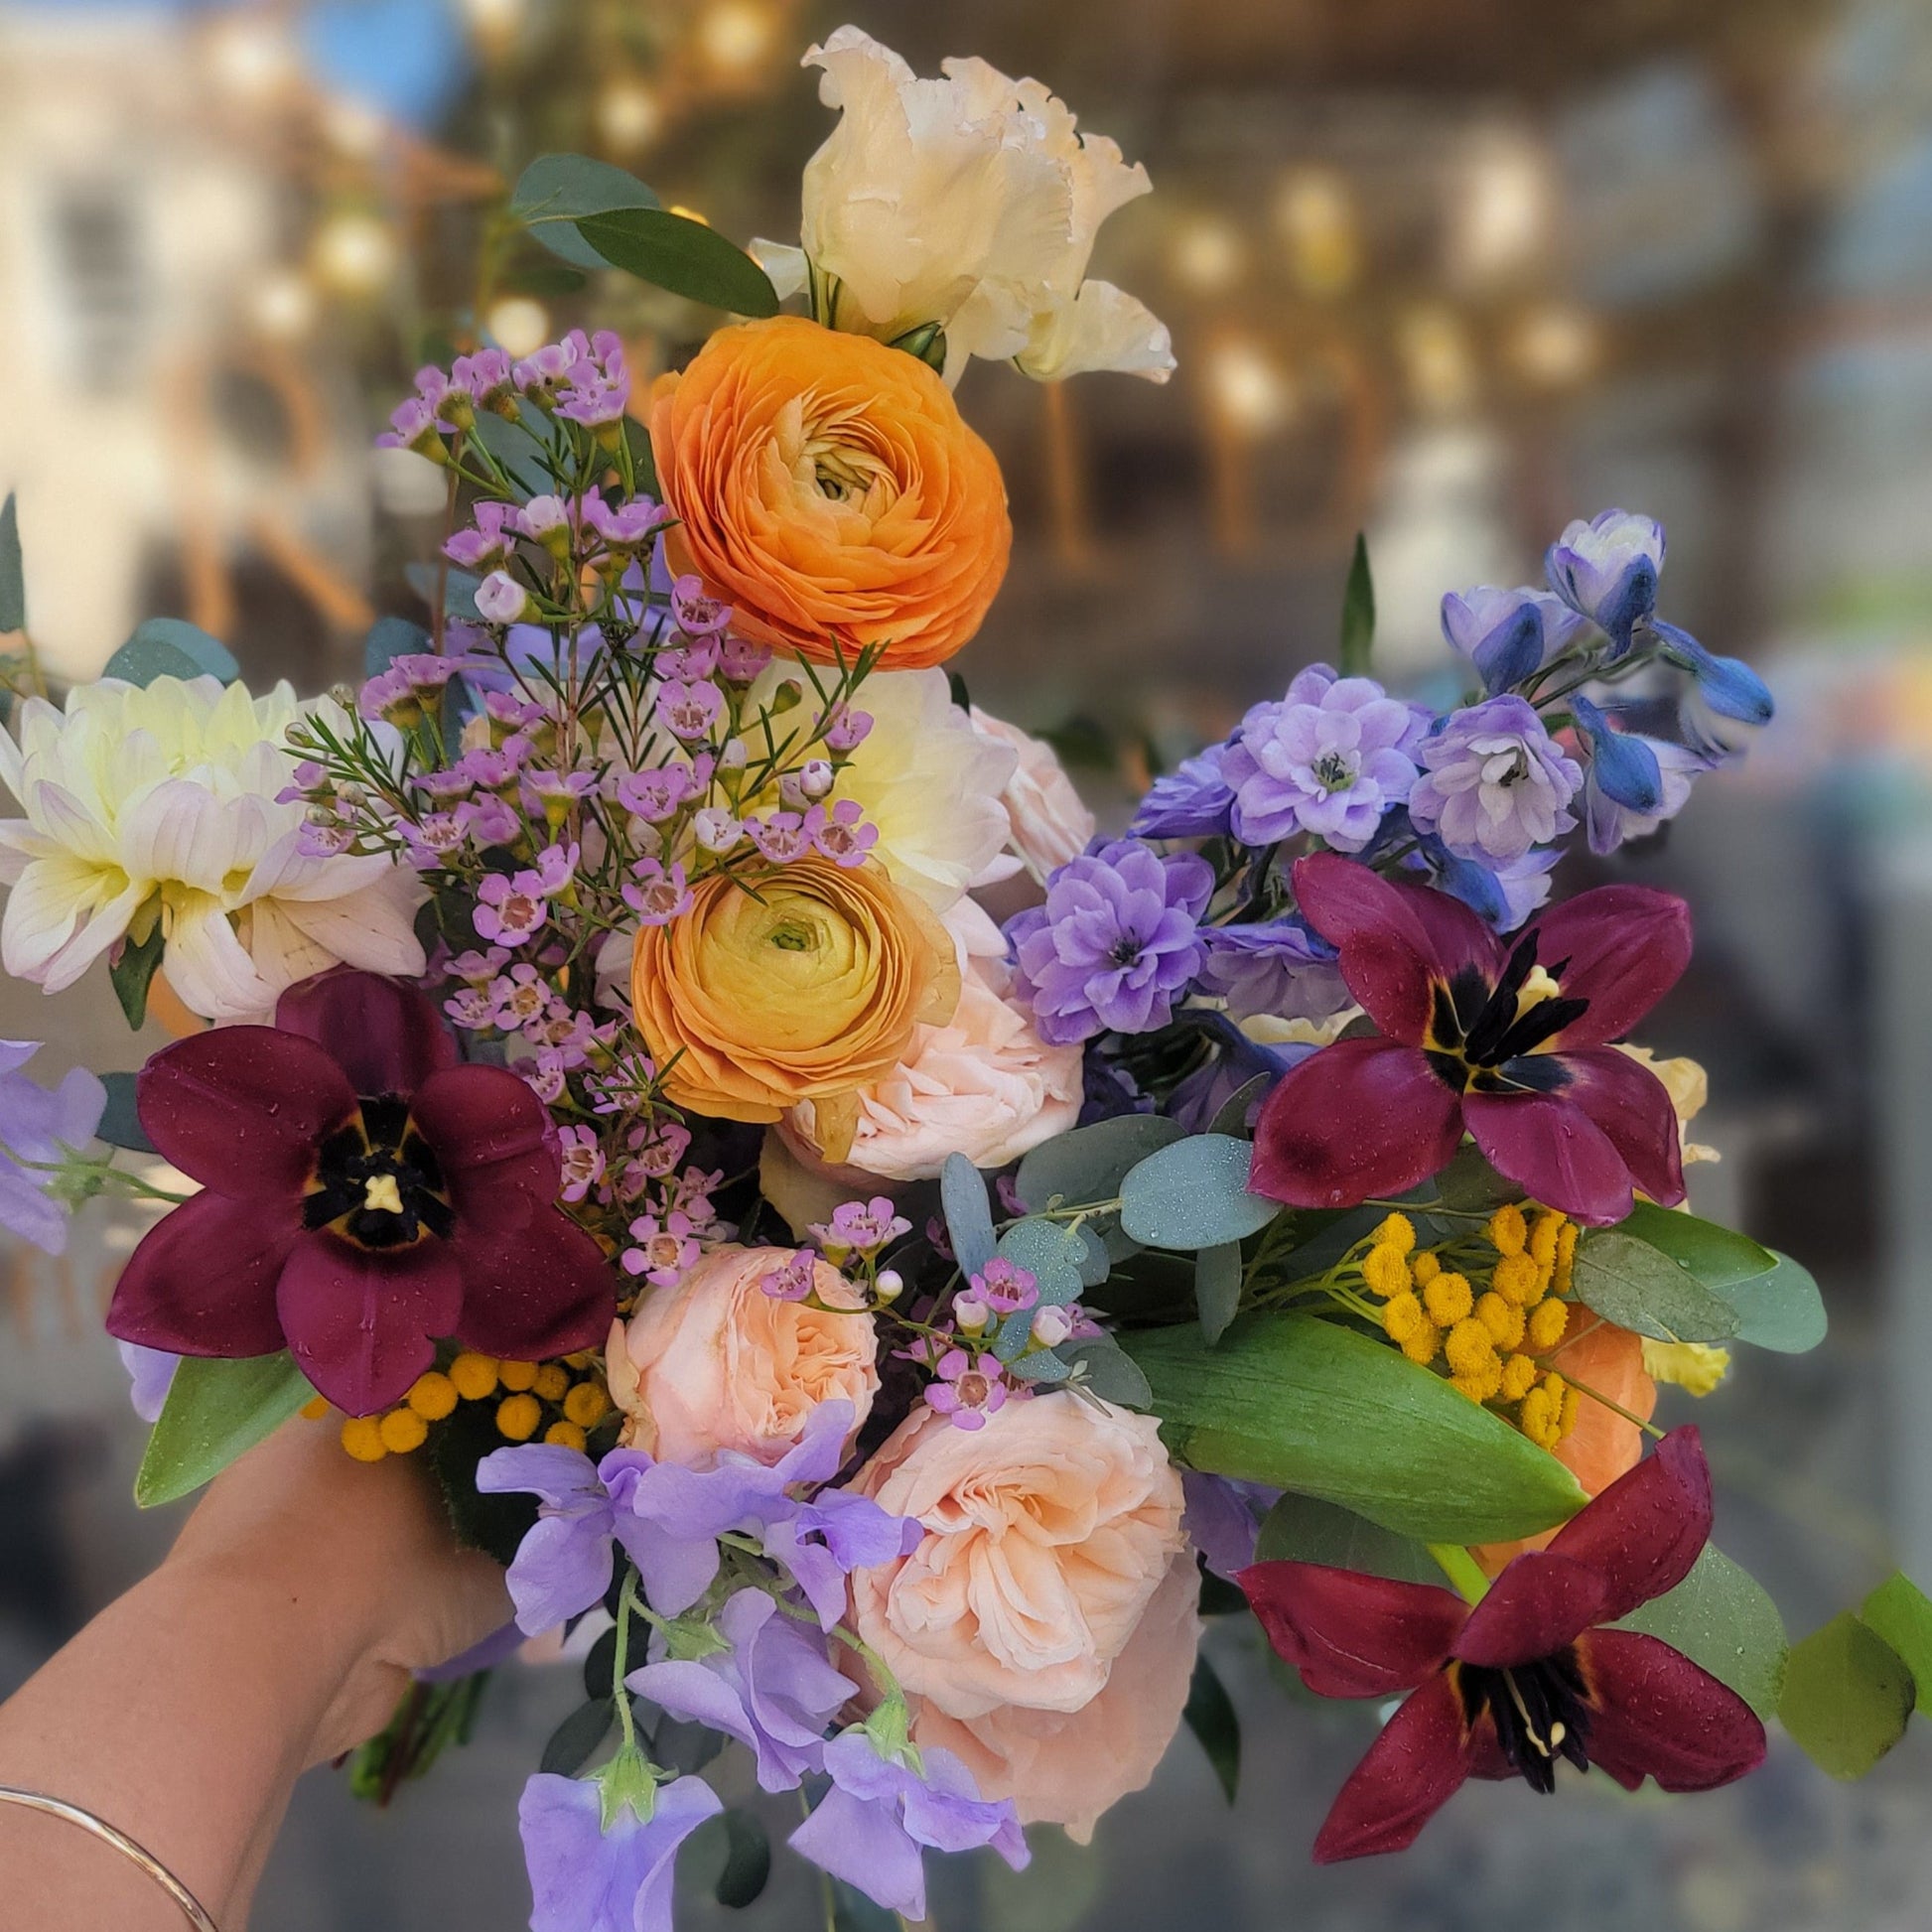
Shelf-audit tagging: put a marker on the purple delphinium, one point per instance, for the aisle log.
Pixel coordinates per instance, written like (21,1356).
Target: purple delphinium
(874,1824)
(1606,571)
(590,1875)
(1279,969)
(1116,943)
(1508,634)
(35,1126)
(1192,801)
(774,1688)
(1495,782)
(1329,758)
(1611,824)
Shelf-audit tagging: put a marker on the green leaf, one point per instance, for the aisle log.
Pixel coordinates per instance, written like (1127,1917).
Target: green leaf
(1217,1287)
(171,647)
(1308,1404)
(132,973)
(1628,1282)
(576,1740)
(544,278)
(674,252)
(1209,1712)
(13,578)
(1782,1310)
(556,189)
(1717,1256)
(1846,1696)
(1901,1613)
(748,1859)
(521,455)
(215,1411)
(1358,613)
(1090,1162)
(390,639)
(853,1911)
(120,1123)
(1193,1195)
(1232,1115)
(1109,1372)
(969,1219)
(1042,1366)
(644,459)
(1304,1529)
(1052,1252)
(601,1667)
(1720,1619)
(494,1524)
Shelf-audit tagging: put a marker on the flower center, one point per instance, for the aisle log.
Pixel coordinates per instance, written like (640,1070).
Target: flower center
(1540,1709)
(973,1389)
(1125,951)
(1501,1039)
(376,1182)
(1334,771)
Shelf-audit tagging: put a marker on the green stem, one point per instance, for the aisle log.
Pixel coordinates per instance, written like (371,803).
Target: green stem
(627,1605)
(1461,1570)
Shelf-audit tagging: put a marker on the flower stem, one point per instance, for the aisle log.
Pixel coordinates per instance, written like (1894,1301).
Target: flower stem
(627,1605)
(1461,1570)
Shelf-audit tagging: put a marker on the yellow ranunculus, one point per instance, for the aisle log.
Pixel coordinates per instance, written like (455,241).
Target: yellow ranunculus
(802,983)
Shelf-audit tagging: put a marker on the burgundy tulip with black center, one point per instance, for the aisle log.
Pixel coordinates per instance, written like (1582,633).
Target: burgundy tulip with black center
(1506,1039)
(365,1195)
(1529,1675)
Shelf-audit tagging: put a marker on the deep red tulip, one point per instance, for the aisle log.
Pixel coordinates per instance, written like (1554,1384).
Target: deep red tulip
(1509,1039)
(365,1195)
(1527,1675)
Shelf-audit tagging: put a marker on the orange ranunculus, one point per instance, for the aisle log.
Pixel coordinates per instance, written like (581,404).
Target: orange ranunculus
(827,487)
(1601,1445)
(809,991)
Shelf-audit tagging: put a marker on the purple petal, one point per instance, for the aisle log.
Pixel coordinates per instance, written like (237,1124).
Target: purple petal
(1350,1634)
(864,1843)
(1643,1533)
(561,1567)
(1538,1605)
(1551,1147)
(1626,948)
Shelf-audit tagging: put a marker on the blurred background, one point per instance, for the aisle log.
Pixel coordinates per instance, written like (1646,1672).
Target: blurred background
(1447,271)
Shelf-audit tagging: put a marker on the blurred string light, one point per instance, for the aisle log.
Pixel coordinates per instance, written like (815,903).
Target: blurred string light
(250,57)
(518,323)
(735,35)
(282,305)
(630,115)
(1247,388)
(495,23)
(352,128)
(1436,359)
(355,253)
(1208,254)
(1499,212)
(1555,346)
(1315,217)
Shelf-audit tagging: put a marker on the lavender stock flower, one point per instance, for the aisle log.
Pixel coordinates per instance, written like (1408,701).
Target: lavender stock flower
(35,1126)
(1192,801)
(1116,943)
(1278,968)
(773,1690)
(590,1876)
(1495,782)
(1329,758)
(881,1814)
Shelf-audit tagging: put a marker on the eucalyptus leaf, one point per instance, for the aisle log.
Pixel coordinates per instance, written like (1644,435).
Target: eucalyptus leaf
(1305,1404)
(748,1860)
(120,1122)
(1108,1371)
(671,251)
(1304,1529)
(1717,1256)
(1193,1195)
(1090,1163)
(1782,1310)
(969,1216)
(1209,1712)
(1357,613)
(516,450)
(1052,1251)
(556,189)
(13,578)
(1217,1287)
(1042,1366)
(1721,1619)
(1847,1695)
(574,1741)
(171,647)
(215,1411)
(1628,1282)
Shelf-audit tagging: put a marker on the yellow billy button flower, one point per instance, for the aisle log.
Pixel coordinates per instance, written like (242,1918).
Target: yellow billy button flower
(1504,1320)
(1546,1322)
(362,1439)
(1385,1271)
(1470,1352)
(1566,1257)
(1507,1231)
(315,1408)
(403,1430)
(1517,1279)
(1424,1267)
(1424,1343)
(517,1417)
(1449,1300)
(473,1376)
(1543,1238)
(552,1383)
(587,1405)
(516,1376)
(432,1396)
(1396,1231)
(566,1435)
(1519,1377)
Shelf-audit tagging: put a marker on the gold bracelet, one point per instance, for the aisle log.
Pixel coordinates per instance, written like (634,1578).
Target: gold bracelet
(137,1854)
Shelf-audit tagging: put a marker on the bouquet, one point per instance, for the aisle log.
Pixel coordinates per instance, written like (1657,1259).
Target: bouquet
(874,1334)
